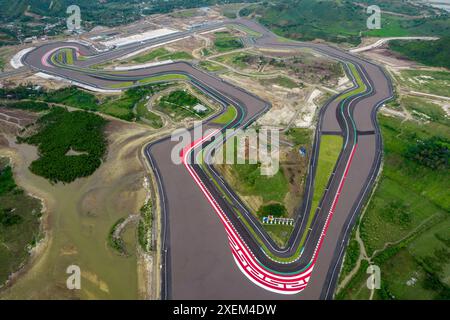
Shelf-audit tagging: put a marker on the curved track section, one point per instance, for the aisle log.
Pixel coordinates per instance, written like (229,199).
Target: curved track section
(188,193)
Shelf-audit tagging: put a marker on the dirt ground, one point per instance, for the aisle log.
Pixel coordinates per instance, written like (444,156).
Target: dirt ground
(387,57)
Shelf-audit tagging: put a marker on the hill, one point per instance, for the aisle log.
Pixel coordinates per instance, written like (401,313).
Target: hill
(431,53)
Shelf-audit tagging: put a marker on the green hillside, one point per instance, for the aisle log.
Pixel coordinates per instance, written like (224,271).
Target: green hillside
(431,53)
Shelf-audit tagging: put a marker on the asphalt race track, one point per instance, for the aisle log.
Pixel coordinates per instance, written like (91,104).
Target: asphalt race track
(199,224)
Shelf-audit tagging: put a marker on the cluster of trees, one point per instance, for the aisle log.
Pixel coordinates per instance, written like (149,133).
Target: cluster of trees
(21,92)
(73,97)
(123,106)
(179,98)
(71,144)
(145,227)
(70,96)
(114,242)
(7,183)
(273,209)
(35,106)
(432,153)
(8,186)
(9,218)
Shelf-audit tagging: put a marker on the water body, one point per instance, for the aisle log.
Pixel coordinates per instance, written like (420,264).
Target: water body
(78,231)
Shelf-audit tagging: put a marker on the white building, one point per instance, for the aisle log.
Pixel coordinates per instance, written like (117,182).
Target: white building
(199,108)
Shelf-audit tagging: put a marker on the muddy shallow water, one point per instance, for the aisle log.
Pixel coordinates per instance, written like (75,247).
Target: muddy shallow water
(78,219)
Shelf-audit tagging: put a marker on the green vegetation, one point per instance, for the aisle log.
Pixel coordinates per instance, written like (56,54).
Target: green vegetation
(281,81)
(121,85)
(210,66)
(225,41)
(152,55)
(343,21)
(431,53)
(241,59)
(432,82)
(181,55)
(116,243)
(71,144)
(184,13)
(73,97)
(351,257)
(2,64)
(34,106)
(7,183)
(19,223)
(423,109)
(162,54)
(272,209)
(250,182)
(145,227)
(279,233)
(206,52)
(122,107)
(405,226)
(109,13)
(179,104)
(227,116)
(142,113)
(432,153)
(395,26)
(299,136)
(164,78)
(330,148)
(248,31)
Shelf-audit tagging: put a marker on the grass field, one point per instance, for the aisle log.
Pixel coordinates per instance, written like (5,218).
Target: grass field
(19,222)
(210,66)
(149,117)
(225,41)
(281,81)
(299,136)
(179,105)
(424,109)
(123,105)
(236,59)
(252,183)
(279,233)
(432,82)
(227,116)
(121,85)
(73,97)
(161,54)
(330,147)
(164,78)
(410,212)
(400,191)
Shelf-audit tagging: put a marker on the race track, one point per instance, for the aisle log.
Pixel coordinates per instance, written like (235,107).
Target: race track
(212,247)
